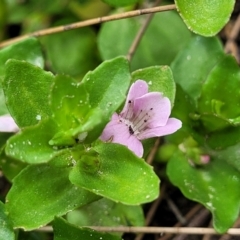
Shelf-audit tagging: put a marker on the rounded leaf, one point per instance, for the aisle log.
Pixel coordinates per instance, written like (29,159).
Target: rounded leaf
(220,95)
(20,51)
(192,65)
(205,17)
(215,185)
(78,51)
(39,193)
(118,175)
(152,49)
(159,79)
(64,231)
(105,212)
(26,88)
(6,229)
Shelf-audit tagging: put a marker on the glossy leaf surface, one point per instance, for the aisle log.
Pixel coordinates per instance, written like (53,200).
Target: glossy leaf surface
(219,95)
(26,88)
(118,174)
(159,79)
(20,51)
(41,192)
(6,229)
(105,212)
(152,50)
(86,107)
(205,17)
(3,107)
(193,64)
(107,84)
(210,82)
(215,185)
(78,46)
(65,231)
(69,102)
(35,142)
(11,167)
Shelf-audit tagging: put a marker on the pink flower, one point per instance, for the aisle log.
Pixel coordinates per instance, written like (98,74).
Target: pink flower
(145,115)
(204,159)
(7,124)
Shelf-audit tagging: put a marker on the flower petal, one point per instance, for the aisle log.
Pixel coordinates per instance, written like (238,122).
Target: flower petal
(172,126)
(117,132)
(137,89)
(112,128)
(135,145)
(157,106)
(7,124)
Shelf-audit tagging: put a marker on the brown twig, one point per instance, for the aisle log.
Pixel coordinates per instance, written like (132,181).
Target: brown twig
(175,210)
(89,22)
(140,34)
(208,236)
(152,211)
(156,230)
(197,221)
(230,45)
(188,216)
(153,151)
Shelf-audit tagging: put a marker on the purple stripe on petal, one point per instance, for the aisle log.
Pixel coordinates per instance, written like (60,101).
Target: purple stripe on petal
(137,89)
(156,106)
(118,132)
(145,115)
(172,126)
(111,129)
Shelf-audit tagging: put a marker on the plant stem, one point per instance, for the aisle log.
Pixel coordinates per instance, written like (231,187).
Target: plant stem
(89,22)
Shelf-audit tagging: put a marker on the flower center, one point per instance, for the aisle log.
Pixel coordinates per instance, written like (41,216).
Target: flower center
(136,121)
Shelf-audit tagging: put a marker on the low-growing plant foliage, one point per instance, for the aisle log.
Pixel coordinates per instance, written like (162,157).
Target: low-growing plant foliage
(78,117)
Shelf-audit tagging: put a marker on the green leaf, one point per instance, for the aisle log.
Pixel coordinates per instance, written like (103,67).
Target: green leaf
(78,51)
(215,185)
(120,3)
(203,71)
(182,110)
(107,84)
(220,91)
(3,107)
(114,173)
(69,102)
(21,51)
(3,17)
(193,64)
(222,139)
(229,155)
(159,79)
(32,144)
(83,109)
(200,15)
(151,49)
(41,192)
(6,229)
(10,167)
(26,88)
(72,112)
(65,231)
(105,212)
